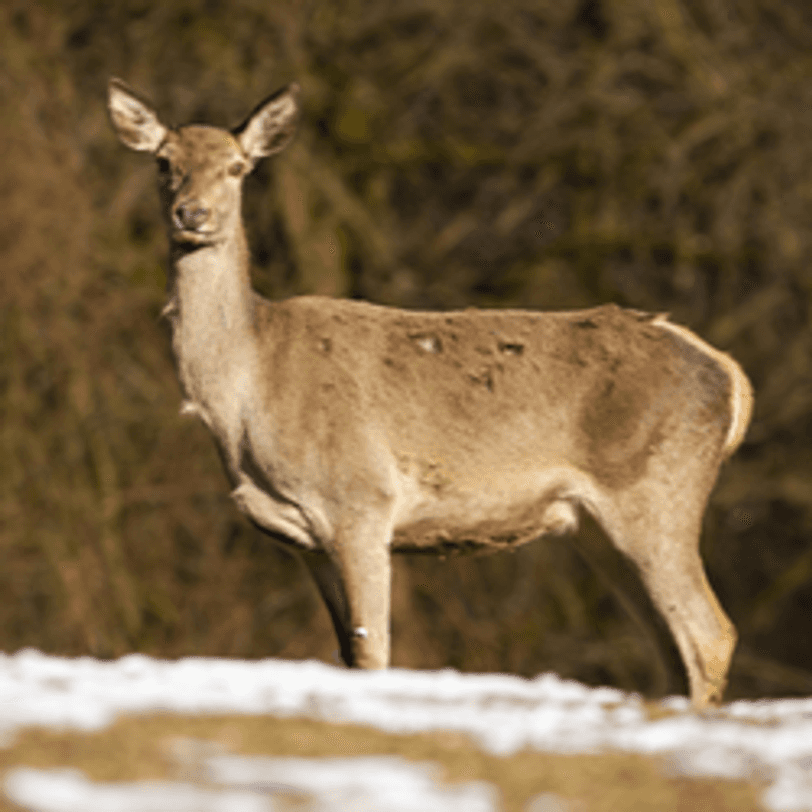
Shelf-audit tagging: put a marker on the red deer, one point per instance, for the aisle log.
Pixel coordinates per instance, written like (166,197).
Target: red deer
(350,430)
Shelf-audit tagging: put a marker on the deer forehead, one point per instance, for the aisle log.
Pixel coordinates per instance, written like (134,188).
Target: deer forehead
(200,148)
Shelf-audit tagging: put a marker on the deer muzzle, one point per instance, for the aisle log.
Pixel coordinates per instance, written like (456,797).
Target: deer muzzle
(191,218)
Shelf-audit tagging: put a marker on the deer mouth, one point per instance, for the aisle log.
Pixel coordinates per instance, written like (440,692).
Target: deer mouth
(192,237)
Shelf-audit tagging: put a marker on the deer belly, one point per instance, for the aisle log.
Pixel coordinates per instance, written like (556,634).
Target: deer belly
(474,530)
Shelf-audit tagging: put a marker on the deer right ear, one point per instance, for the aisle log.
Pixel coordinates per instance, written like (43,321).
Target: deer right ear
(134,121)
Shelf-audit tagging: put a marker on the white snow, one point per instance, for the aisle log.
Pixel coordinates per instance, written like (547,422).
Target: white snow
(250,784)
(771,740)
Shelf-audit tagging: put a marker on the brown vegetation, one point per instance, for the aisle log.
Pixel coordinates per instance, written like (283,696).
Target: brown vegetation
(540,154)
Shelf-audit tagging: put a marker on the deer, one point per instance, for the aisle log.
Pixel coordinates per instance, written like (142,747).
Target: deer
(350,430)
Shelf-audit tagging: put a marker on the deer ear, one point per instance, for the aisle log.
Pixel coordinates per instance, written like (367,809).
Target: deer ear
(271,126)
(134,121)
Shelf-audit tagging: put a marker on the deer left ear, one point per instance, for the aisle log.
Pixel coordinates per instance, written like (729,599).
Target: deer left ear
(270,128)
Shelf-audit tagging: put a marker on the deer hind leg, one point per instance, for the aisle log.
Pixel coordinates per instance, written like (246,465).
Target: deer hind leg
(666,553)
(704,634)
(354,579)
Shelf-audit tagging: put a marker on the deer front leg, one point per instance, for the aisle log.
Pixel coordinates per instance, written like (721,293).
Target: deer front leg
(354,579)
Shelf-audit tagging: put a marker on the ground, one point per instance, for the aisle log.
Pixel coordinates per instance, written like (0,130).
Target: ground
(141,734)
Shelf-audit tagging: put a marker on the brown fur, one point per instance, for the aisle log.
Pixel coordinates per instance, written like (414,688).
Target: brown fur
(350,429)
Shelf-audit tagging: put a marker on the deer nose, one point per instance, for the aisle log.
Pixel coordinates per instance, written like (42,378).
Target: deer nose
(190,216)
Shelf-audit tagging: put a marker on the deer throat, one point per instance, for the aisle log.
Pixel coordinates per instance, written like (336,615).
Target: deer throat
(213,341)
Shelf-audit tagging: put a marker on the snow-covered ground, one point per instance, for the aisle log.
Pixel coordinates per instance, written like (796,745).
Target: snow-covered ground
(770,739)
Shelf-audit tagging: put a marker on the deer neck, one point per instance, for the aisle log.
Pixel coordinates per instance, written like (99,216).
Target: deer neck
(211,309)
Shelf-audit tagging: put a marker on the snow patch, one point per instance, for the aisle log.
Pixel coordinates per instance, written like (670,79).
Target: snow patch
(767,740)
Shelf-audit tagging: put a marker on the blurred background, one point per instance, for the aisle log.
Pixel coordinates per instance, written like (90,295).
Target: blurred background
(536,153)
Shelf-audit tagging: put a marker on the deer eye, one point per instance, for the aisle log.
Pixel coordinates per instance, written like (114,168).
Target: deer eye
(236,169)
(163,166)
